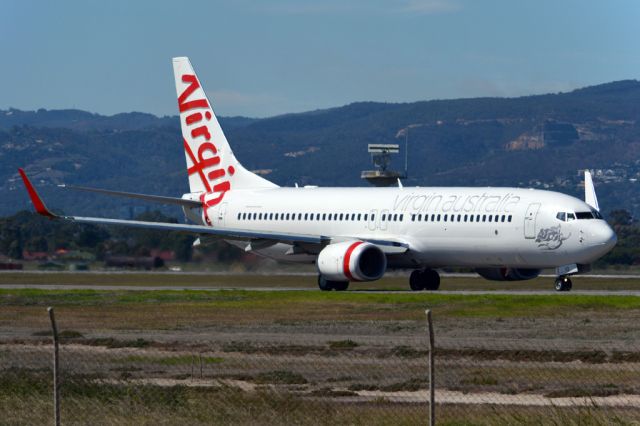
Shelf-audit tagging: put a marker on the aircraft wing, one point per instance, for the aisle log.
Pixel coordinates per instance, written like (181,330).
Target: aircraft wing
(387,246)
(153,198)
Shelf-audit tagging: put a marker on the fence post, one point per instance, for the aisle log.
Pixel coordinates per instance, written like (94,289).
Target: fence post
(432,390)
(56,382)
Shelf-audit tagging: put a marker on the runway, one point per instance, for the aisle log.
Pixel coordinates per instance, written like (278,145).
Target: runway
(602,293)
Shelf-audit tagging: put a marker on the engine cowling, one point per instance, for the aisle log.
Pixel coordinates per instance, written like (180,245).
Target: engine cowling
(508,274)
(352,261)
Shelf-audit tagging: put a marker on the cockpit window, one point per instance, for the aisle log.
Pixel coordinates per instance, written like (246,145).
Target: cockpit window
(561,216)
(596,214)
(571,216)
(584,215)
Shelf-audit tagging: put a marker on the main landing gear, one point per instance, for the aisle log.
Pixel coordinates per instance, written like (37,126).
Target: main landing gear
(427,279)
(563,283)
(328,285)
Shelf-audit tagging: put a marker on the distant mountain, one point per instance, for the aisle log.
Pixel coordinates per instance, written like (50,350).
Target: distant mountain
(540,141)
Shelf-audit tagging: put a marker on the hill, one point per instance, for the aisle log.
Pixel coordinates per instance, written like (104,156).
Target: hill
(540,141)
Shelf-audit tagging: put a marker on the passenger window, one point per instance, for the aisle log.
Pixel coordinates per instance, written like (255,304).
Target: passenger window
(401,218)
(413,218)
(433,217)
(373,217)
(509,218)
(503,218)
(484,217)
(438,218)
(489,218)
(459,217)
(444,218)
(341,215)
(359,215)
(470,218)
(366,217)
(465,217)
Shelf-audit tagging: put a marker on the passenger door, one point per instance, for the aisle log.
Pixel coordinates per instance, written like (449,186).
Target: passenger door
(530,220)
(371,222)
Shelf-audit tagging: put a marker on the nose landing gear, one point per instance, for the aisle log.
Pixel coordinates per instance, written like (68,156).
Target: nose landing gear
(428,279)
(563,283)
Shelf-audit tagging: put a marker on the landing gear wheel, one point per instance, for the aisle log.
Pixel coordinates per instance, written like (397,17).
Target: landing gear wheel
(563,284)
(431,280)
(328,285)
(424,280)
(415,281)
(340,285)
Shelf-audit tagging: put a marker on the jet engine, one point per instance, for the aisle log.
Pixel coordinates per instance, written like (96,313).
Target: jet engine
(352,261)
(508,274)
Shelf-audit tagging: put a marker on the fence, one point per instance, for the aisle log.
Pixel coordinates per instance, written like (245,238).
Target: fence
(329,376)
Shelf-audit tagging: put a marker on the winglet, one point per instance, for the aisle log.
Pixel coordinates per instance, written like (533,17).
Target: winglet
(35,198)
(589,191)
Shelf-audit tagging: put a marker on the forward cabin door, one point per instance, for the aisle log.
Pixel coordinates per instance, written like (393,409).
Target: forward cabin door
(371,222)
(530,220)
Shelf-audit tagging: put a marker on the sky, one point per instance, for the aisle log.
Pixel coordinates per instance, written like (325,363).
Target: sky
(264,58)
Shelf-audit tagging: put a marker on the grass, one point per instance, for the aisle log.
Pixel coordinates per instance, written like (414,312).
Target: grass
(279,377)
(343,344)
(88,310)
(171,360)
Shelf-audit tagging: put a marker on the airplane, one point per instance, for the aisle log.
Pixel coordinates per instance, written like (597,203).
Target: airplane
(358,234)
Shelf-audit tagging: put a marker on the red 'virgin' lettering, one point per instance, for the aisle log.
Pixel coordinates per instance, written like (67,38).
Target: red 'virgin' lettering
(193,86)
(201,131)
(193,118)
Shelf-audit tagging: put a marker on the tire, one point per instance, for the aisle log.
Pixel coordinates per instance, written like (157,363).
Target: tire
(324,284)
(340,285)
(431,280)
(416,281)
(558,284)
(563,284)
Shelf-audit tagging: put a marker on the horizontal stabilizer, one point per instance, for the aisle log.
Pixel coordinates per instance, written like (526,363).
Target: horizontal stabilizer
(153,198)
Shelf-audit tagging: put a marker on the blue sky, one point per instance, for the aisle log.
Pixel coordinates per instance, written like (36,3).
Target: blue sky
(262,58)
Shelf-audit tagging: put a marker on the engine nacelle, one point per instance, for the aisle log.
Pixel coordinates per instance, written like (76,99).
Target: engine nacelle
(352,261)
(508,274)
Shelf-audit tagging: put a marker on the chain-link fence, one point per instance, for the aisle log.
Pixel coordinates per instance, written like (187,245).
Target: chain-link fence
(321,378)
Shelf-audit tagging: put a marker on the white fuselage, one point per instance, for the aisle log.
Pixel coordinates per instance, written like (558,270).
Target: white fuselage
(444,226)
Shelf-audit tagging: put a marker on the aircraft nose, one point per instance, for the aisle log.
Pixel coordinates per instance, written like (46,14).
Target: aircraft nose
(605,237)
